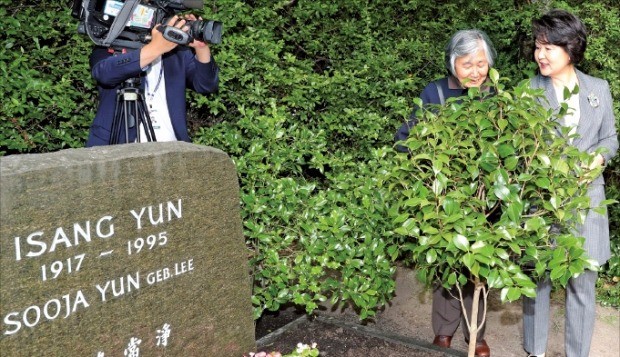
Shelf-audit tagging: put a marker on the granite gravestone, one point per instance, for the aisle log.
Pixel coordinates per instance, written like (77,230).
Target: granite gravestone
(126,250)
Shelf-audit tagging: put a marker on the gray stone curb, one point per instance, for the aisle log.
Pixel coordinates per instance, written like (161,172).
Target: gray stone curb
(391,337)
(272,336)
(364,330)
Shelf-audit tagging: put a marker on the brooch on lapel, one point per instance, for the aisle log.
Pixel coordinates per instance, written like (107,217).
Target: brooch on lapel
(593,100)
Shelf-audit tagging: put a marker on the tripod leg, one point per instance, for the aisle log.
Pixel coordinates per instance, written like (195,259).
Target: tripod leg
(130,112)
(145,120)
(130,118)
(116,127)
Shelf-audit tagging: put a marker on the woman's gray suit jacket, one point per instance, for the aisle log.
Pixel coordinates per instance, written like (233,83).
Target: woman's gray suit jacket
(596,129)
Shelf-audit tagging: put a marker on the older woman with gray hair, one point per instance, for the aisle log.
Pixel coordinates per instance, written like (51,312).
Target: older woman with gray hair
(469,56)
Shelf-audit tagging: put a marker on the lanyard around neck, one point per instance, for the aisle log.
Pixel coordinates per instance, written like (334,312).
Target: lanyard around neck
(161,74)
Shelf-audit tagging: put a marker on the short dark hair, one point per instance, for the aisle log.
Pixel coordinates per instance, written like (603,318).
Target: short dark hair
(561,28)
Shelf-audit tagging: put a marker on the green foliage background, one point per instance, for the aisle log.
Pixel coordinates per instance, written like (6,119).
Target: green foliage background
(311,94)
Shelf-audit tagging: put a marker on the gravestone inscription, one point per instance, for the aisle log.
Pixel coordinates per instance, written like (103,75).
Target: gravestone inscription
(126,250)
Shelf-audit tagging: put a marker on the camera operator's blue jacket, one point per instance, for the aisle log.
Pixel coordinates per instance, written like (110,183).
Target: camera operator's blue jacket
(181,70)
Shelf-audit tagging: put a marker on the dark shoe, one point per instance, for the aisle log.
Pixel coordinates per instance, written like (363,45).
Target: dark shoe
(482,349)
(443,341)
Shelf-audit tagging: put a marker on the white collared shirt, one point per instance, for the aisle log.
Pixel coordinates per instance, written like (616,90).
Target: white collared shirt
(156,103)
(571,119)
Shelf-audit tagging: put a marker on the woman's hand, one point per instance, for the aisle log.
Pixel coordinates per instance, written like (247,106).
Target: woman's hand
(597,162)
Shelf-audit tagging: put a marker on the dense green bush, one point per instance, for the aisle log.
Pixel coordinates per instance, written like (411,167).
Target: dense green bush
(48,95)
(311,93)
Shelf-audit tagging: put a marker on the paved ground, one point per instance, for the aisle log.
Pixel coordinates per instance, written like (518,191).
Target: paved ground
(403,329)
(409,314)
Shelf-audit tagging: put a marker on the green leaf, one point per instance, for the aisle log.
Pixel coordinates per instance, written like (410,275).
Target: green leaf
(514,210)
(543,182)
(505,150)
(501,192)
(501,254)
(428,229)
(461,242)
(494,281)
(529,292)
(534,223)
(513,294)
(401,218)
(554,201)
(561,166)
(510,163)
(493,75)
(475,269)
(450,206)
(431,256)
(502,124)
(591,264)
(484,259)
(567,93)
(488,161)
(452,279)
(478,245)
(544,159)
(557,272)
(468,260)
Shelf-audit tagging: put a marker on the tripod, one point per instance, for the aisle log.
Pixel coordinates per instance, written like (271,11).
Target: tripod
(131,112)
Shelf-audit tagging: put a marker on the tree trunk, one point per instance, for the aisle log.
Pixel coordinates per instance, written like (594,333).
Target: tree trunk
(473,324)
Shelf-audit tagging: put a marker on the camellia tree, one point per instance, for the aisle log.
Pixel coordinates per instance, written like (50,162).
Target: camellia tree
(490,194)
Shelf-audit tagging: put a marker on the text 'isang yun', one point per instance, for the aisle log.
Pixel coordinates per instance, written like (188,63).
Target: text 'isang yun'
(41,242)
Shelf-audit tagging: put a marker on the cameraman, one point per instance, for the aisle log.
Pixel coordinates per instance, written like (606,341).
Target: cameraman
(166,69)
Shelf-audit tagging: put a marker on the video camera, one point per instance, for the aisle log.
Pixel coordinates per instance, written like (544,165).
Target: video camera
(123,24)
